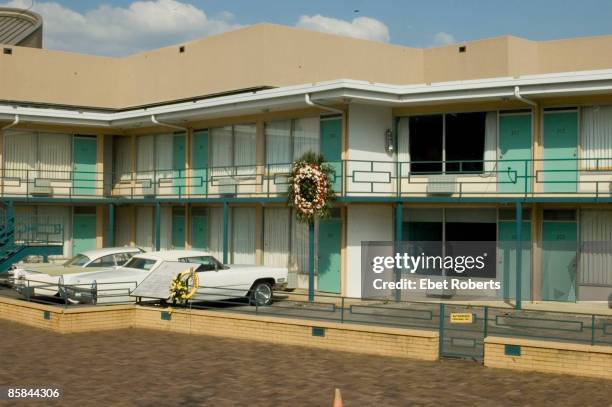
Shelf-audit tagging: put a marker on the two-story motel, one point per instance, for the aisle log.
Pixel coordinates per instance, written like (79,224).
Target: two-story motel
(189,146)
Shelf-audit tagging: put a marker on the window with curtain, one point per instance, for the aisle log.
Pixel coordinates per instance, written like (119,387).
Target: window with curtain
(122,158)
(122,226)
(298,259)
(596,137)
(277,227)
(215,232)
(243,235)
(595,259)
(30,155)
(287,140)
(232,155)
(144,227)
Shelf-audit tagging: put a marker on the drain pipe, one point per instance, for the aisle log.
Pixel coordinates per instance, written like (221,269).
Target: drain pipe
(14,123)
(172,126)
(324,107)
(517,95)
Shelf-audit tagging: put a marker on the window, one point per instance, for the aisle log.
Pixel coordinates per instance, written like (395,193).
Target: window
(79,260)
(106,261)
(233,146)
(122,258)
(30,155)
(208,263)
(141,264)
(596,137)
(449,143)
(287,140)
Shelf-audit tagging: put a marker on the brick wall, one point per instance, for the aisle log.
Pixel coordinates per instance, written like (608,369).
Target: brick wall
(550,357)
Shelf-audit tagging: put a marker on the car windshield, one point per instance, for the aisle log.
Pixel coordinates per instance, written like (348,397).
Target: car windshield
(79,260)
(140,263)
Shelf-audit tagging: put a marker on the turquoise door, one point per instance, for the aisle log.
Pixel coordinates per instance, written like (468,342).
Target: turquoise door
(199,232)
(178,231)
(560,152)
(506,271)
(515,148)
(330,231)
(331,147)
(83,233)
(84,149)
(559,240)
(199,160)
(178,159)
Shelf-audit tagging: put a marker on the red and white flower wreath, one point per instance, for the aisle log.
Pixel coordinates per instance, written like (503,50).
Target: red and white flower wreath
(310,191)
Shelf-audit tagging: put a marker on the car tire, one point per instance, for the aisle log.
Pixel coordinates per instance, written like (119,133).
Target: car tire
(261,293)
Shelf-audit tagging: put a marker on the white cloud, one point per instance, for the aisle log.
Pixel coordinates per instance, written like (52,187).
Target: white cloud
(108,30)
(361,27)
(443,38)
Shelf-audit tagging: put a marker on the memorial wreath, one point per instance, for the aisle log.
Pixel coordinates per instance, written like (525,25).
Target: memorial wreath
(310,188)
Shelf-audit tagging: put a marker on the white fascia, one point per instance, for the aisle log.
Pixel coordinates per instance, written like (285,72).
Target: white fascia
(570,83)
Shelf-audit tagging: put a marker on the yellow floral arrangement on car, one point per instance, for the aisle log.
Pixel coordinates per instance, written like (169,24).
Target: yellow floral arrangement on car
(180,289)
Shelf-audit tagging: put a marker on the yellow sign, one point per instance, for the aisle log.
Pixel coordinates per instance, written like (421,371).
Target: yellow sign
(461,318)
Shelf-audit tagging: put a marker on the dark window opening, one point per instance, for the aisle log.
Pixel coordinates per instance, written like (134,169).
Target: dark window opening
(462,48)
(8,51)
(480,234)
(426,144)
(182,49)
(465,139)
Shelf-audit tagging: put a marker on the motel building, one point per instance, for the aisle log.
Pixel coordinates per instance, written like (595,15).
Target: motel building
(189,146)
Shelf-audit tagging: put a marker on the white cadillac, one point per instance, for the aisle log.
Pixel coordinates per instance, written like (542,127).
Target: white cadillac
(217,281)
(44,277)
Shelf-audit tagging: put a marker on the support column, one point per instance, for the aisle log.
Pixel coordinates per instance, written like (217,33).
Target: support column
(311,261)
(519,252)
(225,232)
(157,226)
(10,220)
(259,234)
(536,263)
(399,219)
(110,230)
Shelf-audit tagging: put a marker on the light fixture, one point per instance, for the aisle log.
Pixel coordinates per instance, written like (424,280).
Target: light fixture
(389,144)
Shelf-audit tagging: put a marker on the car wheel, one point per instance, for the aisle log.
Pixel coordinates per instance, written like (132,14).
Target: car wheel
(261,293)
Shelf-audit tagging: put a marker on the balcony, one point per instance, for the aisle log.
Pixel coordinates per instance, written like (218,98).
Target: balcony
(354,179)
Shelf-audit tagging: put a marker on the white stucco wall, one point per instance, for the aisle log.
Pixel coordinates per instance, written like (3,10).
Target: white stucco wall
(364,223)
(367,125)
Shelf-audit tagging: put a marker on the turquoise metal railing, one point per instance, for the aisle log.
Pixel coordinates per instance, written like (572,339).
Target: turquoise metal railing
(590,178)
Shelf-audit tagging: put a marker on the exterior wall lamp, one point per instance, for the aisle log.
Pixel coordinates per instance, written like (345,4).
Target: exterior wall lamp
(389,142)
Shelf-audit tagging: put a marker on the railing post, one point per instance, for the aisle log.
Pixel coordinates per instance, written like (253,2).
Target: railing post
(342,311)
(527,178)
(111,225)
(157,226)
(399,215)
(441,330)
(311,255)
(593,329)
(225,232)
(519,251)
(10,222)
(486,321)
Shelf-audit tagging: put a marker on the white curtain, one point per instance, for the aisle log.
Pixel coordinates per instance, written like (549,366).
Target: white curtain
(221,159)
(596,137)
(24,214)
(305,136)
(298,260)
(278,146)
(244,144)
(490,147)
(122,158)
(403,145)
(122,226)
(165,228)
(595,260)
(243,235)
(53,214)
(276,236)
(164,155)
(215,232)
(20,154)
(144,227)
(145,152)
(55,155)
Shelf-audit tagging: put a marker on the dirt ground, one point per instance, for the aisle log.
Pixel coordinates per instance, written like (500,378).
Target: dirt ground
(152,368)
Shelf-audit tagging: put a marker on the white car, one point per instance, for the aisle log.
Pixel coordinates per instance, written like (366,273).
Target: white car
(217,281)
(48,275)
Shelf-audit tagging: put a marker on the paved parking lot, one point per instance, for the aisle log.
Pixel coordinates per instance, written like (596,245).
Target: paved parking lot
(144,368)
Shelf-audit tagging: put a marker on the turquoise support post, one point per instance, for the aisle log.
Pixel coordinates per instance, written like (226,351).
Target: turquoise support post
(519,252)
(311,261)
(399,219)
(10,221)
(110,232)
(157,226)
(225,232)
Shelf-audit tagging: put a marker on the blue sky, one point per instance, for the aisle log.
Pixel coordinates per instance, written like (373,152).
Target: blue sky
(126,24)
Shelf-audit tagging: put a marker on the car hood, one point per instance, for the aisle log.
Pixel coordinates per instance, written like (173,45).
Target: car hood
(122,274)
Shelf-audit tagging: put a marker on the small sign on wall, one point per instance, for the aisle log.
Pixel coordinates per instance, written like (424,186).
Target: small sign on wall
(461,318)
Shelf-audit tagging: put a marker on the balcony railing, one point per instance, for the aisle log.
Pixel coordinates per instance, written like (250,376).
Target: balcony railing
(591,178)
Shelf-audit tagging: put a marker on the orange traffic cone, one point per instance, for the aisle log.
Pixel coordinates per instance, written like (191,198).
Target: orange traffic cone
(337,399)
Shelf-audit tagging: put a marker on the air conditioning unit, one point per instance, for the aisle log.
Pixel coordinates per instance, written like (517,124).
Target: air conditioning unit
(42,187)
(441,184)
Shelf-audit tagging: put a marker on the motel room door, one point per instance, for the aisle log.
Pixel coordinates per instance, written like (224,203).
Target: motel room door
(331,147)
(178,228)
(559,256)
(84,229)
(85,151)
(329,259)
(514,149)
(560,140)
(199,161)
